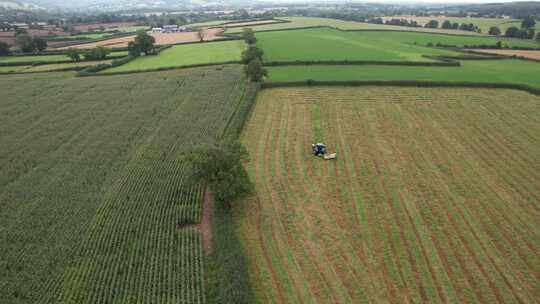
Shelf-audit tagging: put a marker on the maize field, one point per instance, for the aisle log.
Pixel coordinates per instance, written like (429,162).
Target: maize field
(95,201)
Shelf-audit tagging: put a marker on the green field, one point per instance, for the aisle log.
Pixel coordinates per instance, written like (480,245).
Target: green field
(489,71)
(433,197)
(50,58)
(329,44)
(299,22)
(188,54)
(36,58)
(93,186)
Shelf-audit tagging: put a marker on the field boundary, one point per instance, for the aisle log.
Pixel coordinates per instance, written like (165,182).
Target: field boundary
(404,83)
(160,69)
(440,62)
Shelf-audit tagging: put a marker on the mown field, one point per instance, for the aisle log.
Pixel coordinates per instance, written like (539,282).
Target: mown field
(93,186)
(433,197)
(47,58)
(330,44)
(50,67)
(189,54)
(299,22)
(488,71)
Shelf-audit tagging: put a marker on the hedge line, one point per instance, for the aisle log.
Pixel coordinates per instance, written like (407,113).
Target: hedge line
(36,63)
(405,83)
(163,69)
(227,272)
(444,63)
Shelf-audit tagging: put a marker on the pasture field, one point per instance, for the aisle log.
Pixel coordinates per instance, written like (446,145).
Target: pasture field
(94,194)
(299,22)
(51,67)
(433,197)
(330,44)
(483,23)
(189,54)
(519,53)
(489,71)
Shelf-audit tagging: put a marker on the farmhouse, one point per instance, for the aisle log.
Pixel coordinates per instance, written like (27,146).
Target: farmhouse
(169,29)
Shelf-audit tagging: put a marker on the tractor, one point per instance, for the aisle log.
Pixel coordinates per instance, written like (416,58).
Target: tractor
(319,149)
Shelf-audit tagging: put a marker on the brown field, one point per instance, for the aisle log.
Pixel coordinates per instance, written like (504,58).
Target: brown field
(9,37)
(520,53)
(433,197)
(161,39)
(95,26)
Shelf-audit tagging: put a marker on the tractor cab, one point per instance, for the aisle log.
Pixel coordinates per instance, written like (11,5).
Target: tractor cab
(319,149)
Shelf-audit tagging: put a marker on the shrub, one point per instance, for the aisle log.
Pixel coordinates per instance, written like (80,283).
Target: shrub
(251,53)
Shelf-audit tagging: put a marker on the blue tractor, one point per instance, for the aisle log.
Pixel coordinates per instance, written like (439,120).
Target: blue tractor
(319,149)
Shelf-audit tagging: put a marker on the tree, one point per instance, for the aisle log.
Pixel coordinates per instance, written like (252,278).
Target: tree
(455,26)
(446,24)
(4,48)
(221,168)
(432,24)
(538,37)
(38,44)
(251,53)
(201,33)
(145,43)
(74,54)
(494,31)
(528,22)
(133,49)
(511,31)
(97,53)
(24,42)
(249,36)
(255,70)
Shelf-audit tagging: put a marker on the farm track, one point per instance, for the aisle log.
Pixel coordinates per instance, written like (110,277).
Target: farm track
(433,197)
(101,185)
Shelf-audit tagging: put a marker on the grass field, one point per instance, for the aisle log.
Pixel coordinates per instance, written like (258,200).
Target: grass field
(93,186)
(189,54)
(36,58)
(329,44)
(432,199)
(298,22)
(493,71)
(484,23)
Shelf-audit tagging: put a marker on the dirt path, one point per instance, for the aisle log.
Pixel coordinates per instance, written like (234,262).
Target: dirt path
(206,221)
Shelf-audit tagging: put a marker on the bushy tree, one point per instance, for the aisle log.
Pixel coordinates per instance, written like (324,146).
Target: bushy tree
(4,48)
(24,42)
(446,24)
(538,37)
(145,43)
(251,53)
(97,53)
(511,32)
(133,49)
(255,70)
(455,26)
(39,44)
(528,22)
(221,168)
(201,33)
(74,54)
(494,31)
(432,24)
(249,36)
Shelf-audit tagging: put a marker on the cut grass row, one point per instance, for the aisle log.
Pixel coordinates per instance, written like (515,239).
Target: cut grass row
(92,181)
(189,54)
(480,71)
(432,198)
(330,44)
